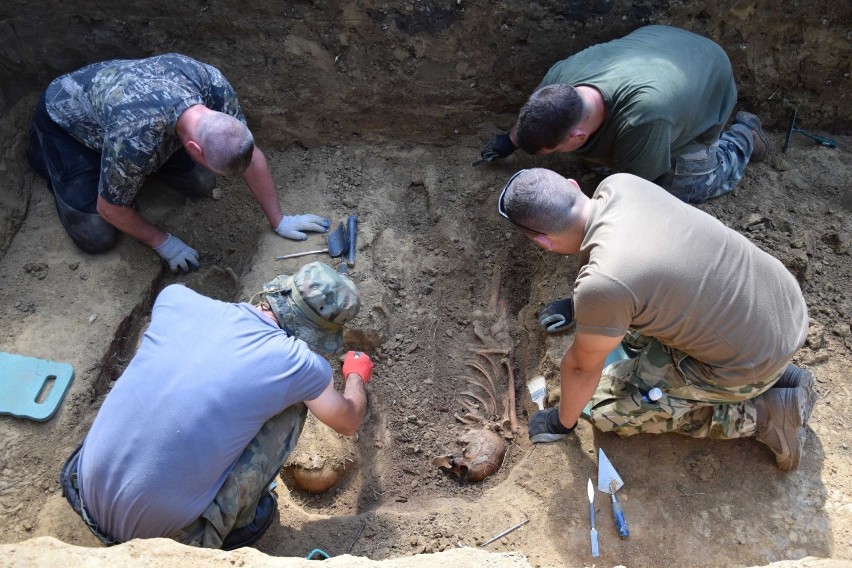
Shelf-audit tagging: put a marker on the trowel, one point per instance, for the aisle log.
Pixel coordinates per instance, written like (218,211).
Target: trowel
(337,244)
(609,482)
(341,242)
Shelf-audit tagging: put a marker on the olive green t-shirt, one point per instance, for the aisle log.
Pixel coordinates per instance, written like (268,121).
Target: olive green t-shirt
(652,263)
(663,88)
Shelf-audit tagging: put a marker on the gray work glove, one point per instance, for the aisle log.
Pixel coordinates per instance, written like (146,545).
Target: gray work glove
(178,255)
(291,227)
(557,316)
(545,426)
(501,146)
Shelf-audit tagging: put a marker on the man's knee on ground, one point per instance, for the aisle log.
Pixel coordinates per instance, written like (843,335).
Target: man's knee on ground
(89,231)
(98,245)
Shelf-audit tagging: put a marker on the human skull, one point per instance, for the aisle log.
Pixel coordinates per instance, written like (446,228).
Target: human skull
(481,456)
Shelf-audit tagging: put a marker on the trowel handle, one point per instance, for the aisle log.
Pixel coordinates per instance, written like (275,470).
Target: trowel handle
(618,515)
(303,253)
(828,142)
(352,239)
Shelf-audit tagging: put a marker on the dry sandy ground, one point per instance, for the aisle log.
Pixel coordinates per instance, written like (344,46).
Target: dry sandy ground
(439,272)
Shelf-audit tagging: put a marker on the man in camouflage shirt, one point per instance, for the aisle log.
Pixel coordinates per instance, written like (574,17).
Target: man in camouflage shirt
(98,132)
(719,318)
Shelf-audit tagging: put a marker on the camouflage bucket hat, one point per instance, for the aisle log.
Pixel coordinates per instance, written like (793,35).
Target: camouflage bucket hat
(313,304)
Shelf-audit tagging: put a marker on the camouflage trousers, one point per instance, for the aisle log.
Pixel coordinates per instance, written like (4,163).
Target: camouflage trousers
(693,401)
(702,172)
(235,503)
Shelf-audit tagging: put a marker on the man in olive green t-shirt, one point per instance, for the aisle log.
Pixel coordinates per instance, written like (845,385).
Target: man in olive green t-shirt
(719,318)
(653,103)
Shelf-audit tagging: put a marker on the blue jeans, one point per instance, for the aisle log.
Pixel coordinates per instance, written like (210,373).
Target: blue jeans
(703,172)
(73,173)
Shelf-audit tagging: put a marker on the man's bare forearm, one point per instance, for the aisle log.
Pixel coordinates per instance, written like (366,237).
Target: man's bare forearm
(355,395)
(577,386)
(129,221)
(262,187)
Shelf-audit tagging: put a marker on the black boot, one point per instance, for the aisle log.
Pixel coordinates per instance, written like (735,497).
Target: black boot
(250,533)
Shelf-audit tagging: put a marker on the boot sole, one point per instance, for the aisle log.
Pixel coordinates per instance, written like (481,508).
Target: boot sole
(795,456)
(799,377)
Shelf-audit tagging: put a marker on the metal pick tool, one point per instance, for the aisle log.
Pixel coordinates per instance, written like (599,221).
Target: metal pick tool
(593,534)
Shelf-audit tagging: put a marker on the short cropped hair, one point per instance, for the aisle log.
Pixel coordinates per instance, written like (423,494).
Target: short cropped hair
(227,143)
(547,117)
(541,200)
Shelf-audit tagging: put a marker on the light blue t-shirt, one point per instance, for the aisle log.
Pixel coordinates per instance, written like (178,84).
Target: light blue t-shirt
(206,377)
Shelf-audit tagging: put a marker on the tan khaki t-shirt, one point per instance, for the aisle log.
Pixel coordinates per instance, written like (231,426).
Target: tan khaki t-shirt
(654,264)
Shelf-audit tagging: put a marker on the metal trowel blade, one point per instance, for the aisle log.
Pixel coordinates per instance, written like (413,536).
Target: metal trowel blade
(607,473)
(337,242)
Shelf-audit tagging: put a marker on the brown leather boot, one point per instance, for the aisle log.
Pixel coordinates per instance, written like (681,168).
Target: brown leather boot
(780,424)
(761,141)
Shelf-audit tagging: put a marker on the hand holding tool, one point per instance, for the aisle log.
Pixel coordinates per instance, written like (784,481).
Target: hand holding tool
(358,363)
(609,482)
(593,534)
(501,146)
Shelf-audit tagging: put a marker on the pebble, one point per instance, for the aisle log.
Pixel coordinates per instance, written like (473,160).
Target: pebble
(842,329)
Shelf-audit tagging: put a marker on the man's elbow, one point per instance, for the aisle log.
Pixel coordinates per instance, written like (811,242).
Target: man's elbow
(348,430)
(107,210)
(348,426)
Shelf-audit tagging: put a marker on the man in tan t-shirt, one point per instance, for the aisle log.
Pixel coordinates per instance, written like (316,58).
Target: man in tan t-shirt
(717,318)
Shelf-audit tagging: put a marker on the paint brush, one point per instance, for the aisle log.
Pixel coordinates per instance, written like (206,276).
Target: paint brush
(538,390)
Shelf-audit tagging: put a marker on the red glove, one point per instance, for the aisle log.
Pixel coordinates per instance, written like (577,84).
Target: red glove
(359,363)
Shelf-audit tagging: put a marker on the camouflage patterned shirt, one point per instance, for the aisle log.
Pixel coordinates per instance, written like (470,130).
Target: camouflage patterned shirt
(128,109)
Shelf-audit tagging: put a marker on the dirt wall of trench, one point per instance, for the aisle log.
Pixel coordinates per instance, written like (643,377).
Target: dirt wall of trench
(421,71)
(379,109)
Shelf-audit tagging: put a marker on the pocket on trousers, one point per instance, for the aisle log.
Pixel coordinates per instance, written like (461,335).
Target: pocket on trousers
(697,161)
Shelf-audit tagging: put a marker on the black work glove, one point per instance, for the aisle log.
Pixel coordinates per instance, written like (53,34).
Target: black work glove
(546,427)
(501,146)
(557,316)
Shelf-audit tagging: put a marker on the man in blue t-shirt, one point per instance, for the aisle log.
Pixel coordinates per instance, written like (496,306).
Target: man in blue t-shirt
(100,131)
(189,440)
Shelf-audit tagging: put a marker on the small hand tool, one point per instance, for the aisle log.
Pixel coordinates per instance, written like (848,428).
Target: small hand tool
(337,244)
(828,142)
(609,482)
(505,532)
(351,239)
(538,390)
(593,534)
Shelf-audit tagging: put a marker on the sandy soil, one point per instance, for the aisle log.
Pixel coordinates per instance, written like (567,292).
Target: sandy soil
(440,272)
